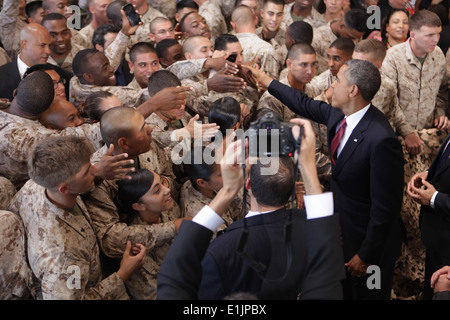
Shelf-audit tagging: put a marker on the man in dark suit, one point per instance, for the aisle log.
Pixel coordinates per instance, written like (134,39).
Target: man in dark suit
(367,173)
(432,190)
(34,49)
(309,262)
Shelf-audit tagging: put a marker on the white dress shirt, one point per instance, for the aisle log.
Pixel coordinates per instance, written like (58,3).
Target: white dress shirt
(352,122)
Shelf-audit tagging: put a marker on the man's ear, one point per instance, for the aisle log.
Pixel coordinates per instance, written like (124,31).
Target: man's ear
(88,78)
(63,188)
(248,184)
(355,90)
(151,36)
(99,47)
(122,143)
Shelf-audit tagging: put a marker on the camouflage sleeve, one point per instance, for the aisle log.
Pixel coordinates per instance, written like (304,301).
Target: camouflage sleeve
(15,275)
(7,192)
(270,64)
(187,68)
(116,50)
(112,233)
(196,99)
(398,119)
(9,15)
(57,280)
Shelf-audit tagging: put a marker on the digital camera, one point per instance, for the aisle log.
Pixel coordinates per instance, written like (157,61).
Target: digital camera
(271,137)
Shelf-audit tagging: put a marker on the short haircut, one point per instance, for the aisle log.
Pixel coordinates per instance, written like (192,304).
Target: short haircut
(80,63)
(298,49)
(344,44)
(156,21)
(115,124)
(300,31)
(190,44)
(52,17)
(272,189)
(225,112)
(92,105)
(101,31)
(183,19)
(160,80)
(140,47)
(424,18)
(32,7)
(113,12)
(356,19)
(222,40)
(162,46)
(35,93)
(242,15)
(365,75)
(186,4)
(374,47)
(277,2)
(43,66)
(132,190)
(195,170)
(57,160)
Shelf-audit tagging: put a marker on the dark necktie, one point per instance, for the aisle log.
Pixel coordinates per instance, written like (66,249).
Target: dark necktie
(337,140)
(444,157)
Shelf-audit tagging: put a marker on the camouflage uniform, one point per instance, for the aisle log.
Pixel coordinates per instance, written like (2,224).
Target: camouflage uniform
(88,33)
(142,32)
(278,43)
(214,18)
(168,8)
(19,136)
(422,90)
(60,244)
(192,201)
(128,96)
(15,274)
(142,284)
(7,192)
(253,46)
(10,26)
(315,19)
(4,58)
(80,40)
(322,39)
(109,224)
(67,63)
(322,81)
(323,163)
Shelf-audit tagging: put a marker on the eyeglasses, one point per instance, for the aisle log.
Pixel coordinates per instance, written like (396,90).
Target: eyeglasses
(56,83)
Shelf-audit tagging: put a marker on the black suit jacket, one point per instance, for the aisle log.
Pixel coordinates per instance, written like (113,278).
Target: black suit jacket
(319,273)
(315,270)
(435,223)
(367,180)
(9,79)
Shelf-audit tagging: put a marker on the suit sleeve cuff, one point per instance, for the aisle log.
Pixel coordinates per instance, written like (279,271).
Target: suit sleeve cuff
(433,198)
(208,218)
(319,205)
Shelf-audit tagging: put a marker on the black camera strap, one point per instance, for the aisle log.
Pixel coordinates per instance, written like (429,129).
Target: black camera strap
(259,267)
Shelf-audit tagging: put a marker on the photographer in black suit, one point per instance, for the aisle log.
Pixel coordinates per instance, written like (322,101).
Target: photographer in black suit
(308,261)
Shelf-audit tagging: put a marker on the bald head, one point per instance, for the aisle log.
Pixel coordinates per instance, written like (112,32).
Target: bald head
(117,122)
(197,47)
(34,44)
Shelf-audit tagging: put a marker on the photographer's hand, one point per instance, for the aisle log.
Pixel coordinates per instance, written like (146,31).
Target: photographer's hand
(307,156)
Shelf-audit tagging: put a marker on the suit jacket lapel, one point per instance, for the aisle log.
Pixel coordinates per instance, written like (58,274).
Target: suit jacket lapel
(353,141)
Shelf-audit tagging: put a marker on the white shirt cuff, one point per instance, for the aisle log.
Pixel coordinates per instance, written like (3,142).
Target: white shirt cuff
(433,198)
(319,205)
(208,218)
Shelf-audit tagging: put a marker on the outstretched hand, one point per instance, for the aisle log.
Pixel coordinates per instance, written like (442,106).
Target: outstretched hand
(112,167)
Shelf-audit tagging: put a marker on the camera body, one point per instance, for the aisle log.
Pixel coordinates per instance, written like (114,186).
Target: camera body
(271,137)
